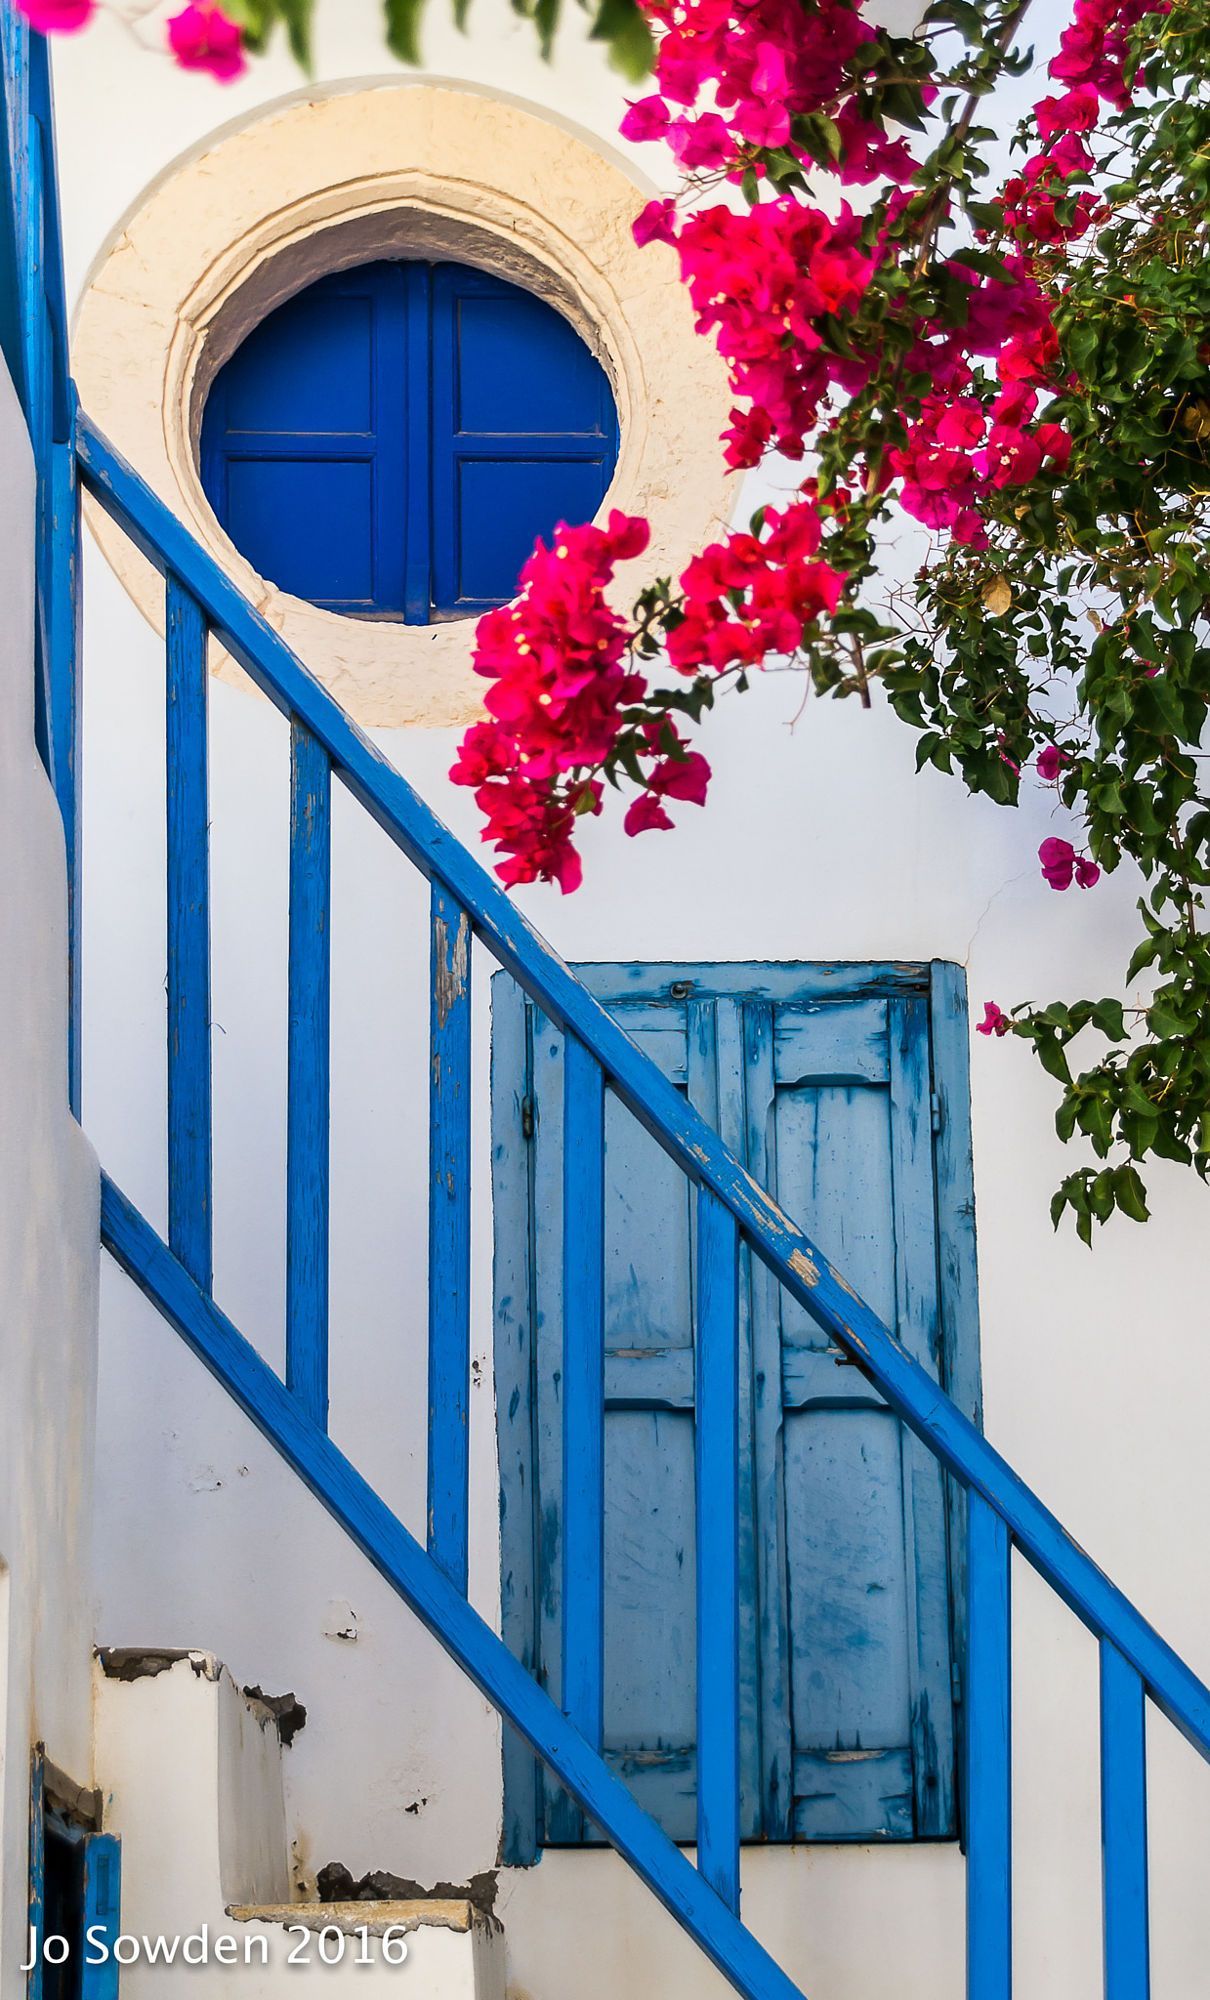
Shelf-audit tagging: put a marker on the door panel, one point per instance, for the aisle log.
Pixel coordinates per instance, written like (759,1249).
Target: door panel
(847,1727)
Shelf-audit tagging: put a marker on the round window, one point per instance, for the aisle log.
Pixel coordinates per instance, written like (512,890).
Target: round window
(391,441)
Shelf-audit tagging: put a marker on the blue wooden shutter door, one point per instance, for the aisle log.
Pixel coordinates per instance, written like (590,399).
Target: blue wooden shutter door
(391,441)
(846,1716)
(524,434)
(301,443)
(857,1696)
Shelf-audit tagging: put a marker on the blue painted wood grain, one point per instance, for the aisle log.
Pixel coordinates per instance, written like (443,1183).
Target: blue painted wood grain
(424,1586)
(874,1756)
(650,1561)
(776,1735)
(190,1198)
(957,1260)
(727,1034)
(38,370)
(718,1541)
(66,604)
(449,1277)
(989,1920)
(42,115)
(583,1391)
(308,1060)
(918,1325)
(792,1256)
(1124,1829)
(513,1129)
(102,1914)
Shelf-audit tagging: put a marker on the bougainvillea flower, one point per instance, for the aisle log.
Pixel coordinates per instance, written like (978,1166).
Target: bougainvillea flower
(1056,443)
(1058,859)
(202,37)
(656,223)
(645,119)
(646,815)
(57,17)
(1077,111)
(1062,866)
(1050,762)
(995,1021)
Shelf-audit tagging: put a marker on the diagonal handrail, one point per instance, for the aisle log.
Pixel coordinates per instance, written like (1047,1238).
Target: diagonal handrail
(682,1132)
(436,1600)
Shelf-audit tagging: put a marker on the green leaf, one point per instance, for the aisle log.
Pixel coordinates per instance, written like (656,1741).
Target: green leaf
(1142,956)
(623,26)
(1130,1194)
(259,18)
(1107,1016)
(403,29)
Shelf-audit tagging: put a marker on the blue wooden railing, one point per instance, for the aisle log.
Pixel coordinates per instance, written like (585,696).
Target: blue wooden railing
(467,907)
(731,1210)
(33,340)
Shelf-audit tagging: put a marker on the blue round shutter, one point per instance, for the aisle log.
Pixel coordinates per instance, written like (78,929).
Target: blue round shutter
(391,442)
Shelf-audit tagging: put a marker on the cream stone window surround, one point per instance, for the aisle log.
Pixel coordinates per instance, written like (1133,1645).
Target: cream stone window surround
(332,180)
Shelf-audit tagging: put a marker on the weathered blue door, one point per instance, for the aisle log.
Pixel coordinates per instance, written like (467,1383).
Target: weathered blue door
(391,441)
(823,1080)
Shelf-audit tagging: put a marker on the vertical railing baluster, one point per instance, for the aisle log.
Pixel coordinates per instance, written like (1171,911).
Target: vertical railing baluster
(1124,1828)
(717,1486)
(190,1222)
(988,1755)
(583,1389)
(66,594)
(308,1073)
(449,1234)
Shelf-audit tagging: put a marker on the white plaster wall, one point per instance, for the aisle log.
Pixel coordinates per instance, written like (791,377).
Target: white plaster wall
(820,842)
(48,1255)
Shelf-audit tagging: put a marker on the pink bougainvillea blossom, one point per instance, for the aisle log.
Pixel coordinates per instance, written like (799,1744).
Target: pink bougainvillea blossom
(57,17)
(783,286)
(1061,865)
(743,74)
(995,1021)
(202,37)
(557,662)
(1058,859)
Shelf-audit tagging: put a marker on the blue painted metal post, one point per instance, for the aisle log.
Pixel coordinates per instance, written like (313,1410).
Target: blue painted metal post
(583,1390)
(449,1235)
(988,1756)
(717,1487)
(188,885)
(1124,1828)
(308,1074)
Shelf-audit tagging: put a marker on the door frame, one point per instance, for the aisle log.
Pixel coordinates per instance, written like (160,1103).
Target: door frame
(942,984)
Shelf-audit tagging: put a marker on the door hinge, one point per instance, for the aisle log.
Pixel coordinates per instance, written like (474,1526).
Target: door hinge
(935,1107)
(528,1121)
(956,1683)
